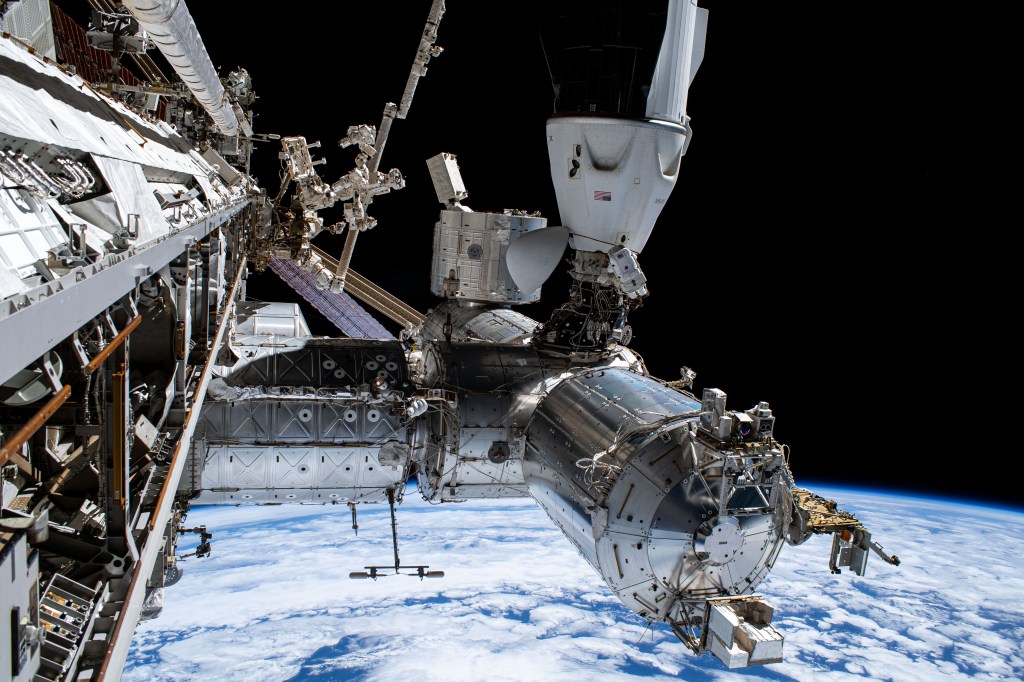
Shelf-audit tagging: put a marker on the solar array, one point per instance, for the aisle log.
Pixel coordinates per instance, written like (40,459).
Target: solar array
(341,309)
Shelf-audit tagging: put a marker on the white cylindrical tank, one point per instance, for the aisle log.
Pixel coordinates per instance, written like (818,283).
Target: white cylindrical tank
(170,24)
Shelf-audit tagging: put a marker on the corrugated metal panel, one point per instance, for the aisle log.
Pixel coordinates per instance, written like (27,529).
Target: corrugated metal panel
(30,21)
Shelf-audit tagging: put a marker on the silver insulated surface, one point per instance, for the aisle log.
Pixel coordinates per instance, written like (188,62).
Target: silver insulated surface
(478,322)
(497,388)
(471,248)
(615,459)
(304,420)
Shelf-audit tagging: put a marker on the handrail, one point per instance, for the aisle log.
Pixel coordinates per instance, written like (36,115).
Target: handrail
(9,450)
(160,515)
(97,361)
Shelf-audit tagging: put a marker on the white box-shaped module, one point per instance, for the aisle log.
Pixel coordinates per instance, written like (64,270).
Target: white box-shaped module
(447,178)
(739,632)
(470,256)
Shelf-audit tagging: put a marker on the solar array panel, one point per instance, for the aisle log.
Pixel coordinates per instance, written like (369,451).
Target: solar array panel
(341,309)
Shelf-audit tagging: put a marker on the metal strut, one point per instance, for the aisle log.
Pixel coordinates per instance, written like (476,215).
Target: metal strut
(374,572)
(426,50)
(394,526)
(851,541)
(355,520)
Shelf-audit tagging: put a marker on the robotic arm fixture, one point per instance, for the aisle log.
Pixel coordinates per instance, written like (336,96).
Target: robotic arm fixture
(299,223)
(680,505)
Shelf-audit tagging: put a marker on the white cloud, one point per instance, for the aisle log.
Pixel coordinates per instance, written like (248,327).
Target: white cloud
(274,601)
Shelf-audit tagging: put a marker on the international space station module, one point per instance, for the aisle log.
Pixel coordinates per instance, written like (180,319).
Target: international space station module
(136,379)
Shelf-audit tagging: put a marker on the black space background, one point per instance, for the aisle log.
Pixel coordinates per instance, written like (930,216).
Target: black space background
(805,258)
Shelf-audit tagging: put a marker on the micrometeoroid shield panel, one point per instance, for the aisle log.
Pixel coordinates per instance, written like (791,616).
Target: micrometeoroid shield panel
(470,256)
(619,463)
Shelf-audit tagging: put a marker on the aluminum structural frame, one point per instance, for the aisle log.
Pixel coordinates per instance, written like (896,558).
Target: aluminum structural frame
(58,308)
